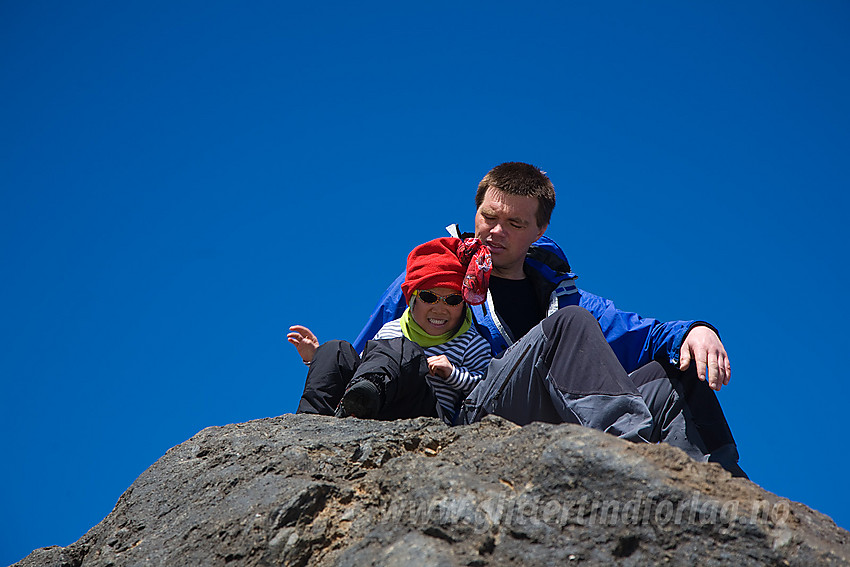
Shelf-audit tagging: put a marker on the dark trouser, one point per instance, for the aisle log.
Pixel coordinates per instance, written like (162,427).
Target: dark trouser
(400,362)
(564,371)
(687,414)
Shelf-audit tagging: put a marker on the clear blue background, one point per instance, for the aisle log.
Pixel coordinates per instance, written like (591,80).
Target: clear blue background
(181,181)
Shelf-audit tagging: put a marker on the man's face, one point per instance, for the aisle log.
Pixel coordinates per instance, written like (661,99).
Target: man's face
(507,224)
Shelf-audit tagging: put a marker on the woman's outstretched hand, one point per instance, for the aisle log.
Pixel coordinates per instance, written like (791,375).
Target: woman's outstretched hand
(304,341)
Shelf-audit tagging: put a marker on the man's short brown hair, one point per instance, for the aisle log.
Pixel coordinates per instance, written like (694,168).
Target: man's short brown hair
(526,180)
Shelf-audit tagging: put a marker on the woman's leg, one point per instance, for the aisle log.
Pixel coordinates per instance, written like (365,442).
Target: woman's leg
(330,372)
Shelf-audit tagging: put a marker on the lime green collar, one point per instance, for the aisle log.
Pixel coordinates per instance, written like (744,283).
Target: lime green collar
(417,334)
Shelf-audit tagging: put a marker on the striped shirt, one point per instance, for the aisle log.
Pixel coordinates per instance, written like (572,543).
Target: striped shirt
(468,353)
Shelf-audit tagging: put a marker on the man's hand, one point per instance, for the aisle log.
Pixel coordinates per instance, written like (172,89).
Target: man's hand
(304,341)
(440,366)
(703,346)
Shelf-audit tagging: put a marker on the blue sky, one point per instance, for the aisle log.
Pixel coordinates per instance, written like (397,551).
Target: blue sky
(181,181)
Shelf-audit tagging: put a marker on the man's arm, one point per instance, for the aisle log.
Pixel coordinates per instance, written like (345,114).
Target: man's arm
(638,340)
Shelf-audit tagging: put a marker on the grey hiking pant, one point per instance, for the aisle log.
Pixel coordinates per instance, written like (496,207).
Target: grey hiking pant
(564,371)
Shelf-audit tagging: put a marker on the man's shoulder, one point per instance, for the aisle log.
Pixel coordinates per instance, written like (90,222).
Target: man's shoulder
(546,258)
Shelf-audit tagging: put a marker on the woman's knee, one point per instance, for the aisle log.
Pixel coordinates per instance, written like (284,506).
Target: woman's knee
(336,352)
(336,345)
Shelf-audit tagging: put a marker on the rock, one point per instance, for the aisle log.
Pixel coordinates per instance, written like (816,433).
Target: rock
(310,490)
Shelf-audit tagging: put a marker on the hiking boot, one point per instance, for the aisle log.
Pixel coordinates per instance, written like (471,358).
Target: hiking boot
(727,456)
(362,399)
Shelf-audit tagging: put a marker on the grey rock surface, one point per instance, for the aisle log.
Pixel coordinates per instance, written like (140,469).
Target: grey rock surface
(311,490)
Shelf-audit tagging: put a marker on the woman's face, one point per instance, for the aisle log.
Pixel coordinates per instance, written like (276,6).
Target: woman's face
(437,318)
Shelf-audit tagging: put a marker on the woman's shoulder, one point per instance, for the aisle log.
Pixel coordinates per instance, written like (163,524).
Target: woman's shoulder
(389,330)
(469,337)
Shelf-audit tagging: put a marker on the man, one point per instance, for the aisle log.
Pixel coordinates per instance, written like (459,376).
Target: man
(565,355)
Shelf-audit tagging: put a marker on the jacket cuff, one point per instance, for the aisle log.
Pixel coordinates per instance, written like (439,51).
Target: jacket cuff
(677,347)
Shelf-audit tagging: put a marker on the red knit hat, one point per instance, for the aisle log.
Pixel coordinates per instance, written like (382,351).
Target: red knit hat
(462,265)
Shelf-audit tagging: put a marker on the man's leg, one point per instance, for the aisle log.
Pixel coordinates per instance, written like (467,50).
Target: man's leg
(330,371)
(687,414)
(563,370)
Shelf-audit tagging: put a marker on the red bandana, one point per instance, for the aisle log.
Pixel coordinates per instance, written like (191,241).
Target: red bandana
(476,257)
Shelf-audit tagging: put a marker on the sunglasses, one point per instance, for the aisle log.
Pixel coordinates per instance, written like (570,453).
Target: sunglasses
(453,299)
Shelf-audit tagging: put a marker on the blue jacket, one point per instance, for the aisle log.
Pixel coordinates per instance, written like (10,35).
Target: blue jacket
(635,340)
